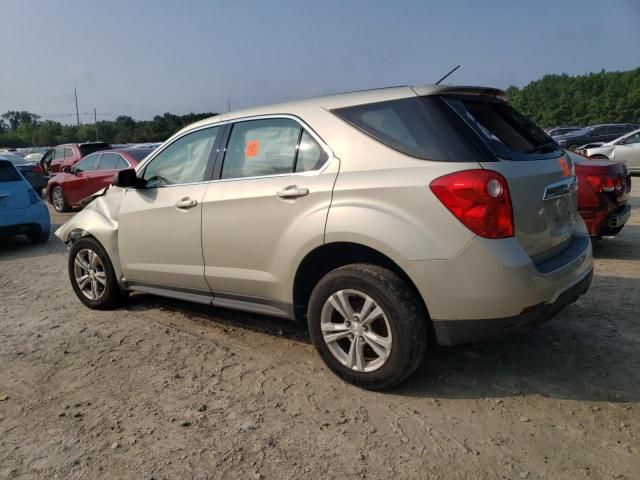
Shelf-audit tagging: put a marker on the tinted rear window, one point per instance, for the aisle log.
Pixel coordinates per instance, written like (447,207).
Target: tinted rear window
(139,153)
(8,173)
(93,147)
(508,133)
(419,127)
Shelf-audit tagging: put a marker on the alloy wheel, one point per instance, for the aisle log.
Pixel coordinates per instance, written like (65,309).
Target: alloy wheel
(57,199)
(356,330)
(89,274)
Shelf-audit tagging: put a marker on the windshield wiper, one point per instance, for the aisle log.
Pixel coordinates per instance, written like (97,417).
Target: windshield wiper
(544,148)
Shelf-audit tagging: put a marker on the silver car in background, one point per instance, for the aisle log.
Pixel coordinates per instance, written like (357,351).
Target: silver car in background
(386,219)
(624,149)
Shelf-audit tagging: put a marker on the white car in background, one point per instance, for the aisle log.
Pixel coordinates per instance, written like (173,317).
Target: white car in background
(623,149)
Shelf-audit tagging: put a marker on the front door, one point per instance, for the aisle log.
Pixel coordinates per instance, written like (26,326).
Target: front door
(159,234)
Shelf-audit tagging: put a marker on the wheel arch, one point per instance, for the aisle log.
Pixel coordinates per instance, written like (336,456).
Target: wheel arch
(327,257)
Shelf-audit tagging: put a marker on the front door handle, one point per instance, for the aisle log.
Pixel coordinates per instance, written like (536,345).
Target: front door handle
(186,203)
(292,191)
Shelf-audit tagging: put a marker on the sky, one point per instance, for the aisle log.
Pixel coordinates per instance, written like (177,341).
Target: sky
(143,58)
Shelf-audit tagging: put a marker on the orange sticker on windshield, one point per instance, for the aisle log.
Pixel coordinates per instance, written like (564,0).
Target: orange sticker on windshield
(565,167)
(251,148)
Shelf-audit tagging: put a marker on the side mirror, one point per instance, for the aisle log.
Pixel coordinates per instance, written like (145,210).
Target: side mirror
(67,169)
(126,178)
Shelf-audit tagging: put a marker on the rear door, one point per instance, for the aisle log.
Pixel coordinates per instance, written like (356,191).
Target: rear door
(540,175)
(14,191)
(110,163)
(270,201)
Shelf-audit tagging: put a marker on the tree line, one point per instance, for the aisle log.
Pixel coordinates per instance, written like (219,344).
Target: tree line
(603,97)
(25,129)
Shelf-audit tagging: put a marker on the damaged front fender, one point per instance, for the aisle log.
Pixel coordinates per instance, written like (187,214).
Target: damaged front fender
(99,219)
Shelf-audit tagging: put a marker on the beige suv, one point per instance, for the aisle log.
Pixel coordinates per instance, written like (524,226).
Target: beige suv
(389,219)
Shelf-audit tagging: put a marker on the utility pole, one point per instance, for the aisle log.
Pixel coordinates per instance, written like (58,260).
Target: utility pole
(75,92)
(95,122)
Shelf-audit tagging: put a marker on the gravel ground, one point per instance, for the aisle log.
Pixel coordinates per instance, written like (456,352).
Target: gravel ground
(163,389)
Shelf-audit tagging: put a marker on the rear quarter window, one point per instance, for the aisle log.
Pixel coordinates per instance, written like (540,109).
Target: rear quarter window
(417,126)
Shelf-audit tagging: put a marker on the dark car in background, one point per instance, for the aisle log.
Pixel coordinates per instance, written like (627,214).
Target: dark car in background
(68,155)
(594,134)
(558,131)
(94,172)
(31,171)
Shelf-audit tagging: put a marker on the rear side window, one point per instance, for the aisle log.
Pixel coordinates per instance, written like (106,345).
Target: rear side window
(509,134)
(261,147)
(87,164)
(419,127)
(109,161)
(8,172)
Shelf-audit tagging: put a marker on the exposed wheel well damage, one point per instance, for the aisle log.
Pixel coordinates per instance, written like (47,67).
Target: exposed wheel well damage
(330,256)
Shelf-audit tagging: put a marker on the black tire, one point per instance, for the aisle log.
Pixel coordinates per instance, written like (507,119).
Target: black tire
(111,296)
(573,147)
(598,157)
(59,203)
(39,237)
(402,308)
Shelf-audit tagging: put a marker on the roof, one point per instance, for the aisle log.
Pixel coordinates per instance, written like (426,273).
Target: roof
(330,102)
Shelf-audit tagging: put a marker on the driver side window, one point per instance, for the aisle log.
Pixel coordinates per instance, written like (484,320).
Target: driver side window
(87,164)
(184,161)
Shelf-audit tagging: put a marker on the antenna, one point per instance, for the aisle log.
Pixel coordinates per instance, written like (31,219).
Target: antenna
(229,104)
(75,93)
(438,82)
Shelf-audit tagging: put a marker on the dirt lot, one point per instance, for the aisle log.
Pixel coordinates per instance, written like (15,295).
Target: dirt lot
(162,389)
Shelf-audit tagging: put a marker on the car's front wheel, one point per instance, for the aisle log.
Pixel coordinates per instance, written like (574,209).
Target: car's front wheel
(92,276)
(58,200)
(368,325)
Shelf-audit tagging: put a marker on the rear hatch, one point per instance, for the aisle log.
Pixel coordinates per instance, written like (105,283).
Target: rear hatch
(540,175)
(14,192)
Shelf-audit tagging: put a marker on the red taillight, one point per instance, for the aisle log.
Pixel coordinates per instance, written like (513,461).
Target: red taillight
(36,169)
(479,199)
(603,183)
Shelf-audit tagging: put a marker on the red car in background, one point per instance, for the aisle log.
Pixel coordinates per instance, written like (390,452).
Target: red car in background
(92,173)
(603,194)
(68,155)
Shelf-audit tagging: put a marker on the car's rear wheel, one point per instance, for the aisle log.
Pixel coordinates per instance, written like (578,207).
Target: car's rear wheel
(58,200)
(598,157)
(92,275)
(368,325)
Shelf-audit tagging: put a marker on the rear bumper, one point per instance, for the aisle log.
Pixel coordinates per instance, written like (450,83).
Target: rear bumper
(453,332)
(598,221)
(34,219)
(496,279)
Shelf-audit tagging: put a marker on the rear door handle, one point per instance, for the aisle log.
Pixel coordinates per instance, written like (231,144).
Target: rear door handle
(186,203)
(292,191)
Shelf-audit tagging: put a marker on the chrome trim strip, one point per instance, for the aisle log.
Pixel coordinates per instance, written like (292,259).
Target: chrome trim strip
(560,189)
